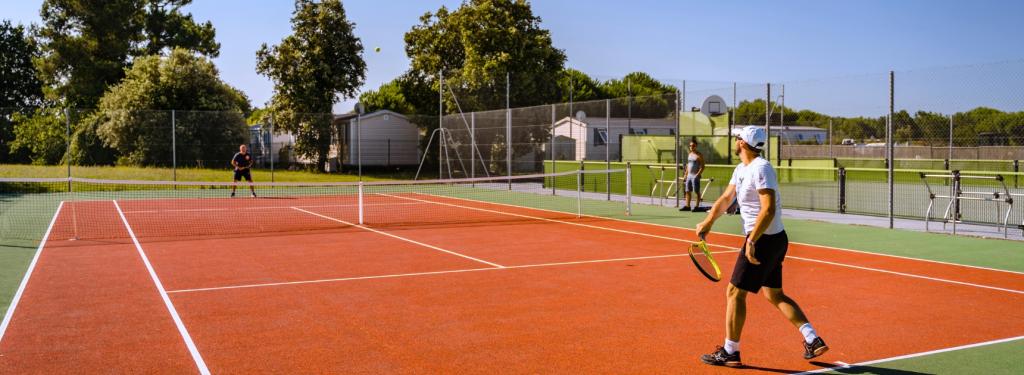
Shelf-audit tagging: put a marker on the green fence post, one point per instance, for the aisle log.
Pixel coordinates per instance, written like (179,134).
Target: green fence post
(842,190)
(1016,171)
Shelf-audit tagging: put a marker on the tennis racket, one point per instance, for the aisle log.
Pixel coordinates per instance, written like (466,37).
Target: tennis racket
(706,264)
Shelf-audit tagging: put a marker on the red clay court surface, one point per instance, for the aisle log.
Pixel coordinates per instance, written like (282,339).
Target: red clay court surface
(511,290)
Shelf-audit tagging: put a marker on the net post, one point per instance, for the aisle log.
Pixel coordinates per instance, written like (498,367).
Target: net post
(608,145)
(271,121)
(678,149)
(554,166)
(174,149)
(842,190)
(508,131)
(629,188)
(359,142)
(472,144)
(67,139)
(890,150)
(360,203)
(956,199)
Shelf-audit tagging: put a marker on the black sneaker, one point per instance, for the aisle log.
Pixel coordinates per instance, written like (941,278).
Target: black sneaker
(232,194)
(722,358)
(685,208)
(254,194)
(815,348)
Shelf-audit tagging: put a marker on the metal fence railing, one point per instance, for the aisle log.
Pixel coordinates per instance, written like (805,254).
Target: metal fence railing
(966,118)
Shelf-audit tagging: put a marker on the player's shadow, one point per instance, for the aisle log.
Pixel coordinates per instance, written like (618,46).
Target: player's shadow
(768,369)
(854,369)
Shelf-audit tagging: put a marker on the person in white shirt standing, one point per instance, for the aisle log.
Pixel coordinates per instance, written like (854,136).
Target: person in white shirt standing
(755,186)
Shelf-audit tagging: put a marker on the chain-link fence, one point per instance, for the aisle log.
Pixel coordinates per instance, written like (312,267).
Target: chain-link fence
(967,120)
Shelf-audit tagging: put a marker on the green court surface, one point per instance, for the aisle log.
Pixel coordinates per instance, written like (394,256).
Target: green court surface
(27,215)
(995,359)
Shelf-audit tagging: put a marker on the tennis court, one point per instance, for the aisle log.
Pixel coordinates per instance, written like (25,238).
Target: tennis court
(479,276)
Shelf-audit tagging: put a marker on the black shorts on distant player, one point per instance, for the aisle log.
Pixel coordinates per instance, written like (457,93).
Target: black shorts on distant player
(243,173)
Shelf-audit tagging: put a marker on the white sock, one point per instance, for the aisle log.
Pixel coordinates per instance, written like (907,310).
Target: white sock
(731,347)
(808,332)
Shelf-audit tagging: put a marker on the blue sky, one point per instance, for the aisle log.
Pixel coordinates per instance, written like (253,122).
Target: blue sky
(814,46)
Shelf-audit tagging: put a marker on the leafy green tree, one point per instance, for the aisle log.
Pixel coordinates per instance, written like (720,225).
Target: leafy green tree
(582,87)
(750,112)
(134,118)
(933,128)
(20,89)
(86,44)
(41,136)
(478,44)
(904,127)
(388,96)
(258,116)
(311,68)
(476,47)
(165,27)
(641,96)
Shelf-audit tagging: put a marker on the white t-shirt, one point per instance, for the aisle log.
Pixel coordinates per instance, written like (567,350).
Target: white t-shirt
(748,179)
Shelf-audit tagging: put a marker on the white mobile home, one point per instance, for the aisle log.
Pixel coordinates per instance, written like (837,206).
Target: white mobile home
(591,138)
(387,139)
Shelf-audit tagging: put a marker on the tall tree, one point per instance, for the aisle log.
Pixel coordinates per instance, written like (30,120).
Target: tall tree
(87,44)
(641,96)
(581,87)
(478,44)
(134,120)
(312,69)
(20,88)
(476,47)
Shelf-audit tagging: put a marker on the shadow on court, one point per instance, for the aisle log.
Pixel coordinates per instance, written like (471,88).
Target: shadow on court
(768,369)
(867,370)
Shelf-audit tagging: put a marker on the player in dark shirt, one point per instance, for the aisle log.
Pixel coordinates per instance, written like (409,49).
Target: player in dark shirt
(242,161)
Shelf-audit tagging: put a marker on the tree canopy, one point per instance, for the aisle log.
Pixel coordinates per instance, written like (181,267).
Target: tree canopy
(478,44)
(20,89)
(320,61)
(84,52)
(134,117)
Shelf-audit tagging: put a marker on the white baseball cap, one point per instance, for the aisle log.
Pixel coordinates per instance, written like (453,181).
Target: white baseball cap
(753,135)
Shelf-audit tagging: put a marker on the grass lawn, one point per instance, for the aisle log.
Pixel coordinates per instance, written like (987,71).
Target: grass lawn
(194,174)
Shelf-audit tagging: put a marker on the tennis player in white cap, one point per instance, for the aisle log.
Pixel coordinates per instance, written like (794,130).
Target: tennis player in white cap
(755,186)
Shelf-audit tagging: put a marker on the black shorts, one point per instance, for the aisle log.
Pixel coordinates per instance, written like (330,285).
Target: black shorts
(770,250)
(692,184)
(239,173)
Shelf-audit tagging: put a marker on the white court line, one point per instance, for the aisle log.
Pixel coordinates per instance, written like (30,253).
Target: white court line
(914,355)
(317,281)
(906,274)
(264,208)
(28,273)
(400,238)
(676,239)
(559,221)
(167,300)
(738,236)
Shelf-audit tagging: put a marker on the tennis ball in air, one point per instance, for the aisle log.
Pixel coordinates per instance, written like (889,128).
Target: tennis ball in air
(376,49)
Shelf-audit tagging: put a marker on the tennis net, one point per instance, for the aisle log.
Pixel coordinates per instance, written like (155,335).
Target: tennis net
(98,209)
